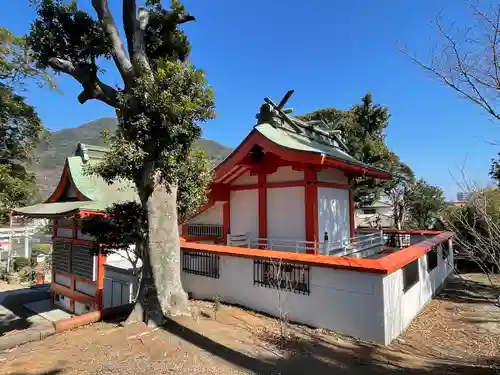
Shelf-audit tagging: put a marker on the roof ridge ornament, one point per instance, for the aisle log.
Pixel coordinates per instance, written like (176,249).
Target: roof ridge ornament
(82,151)
(277,116)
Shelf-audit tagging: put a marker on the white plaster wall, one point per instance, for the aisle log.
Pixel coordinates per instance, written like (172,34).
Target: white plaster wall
(86,288)
(81,308)
(285,174)
(333,214)
(63,280)
(332,175)
(63,302)
(401,308)
(343,301)
(286,215)
(245,179)
(119,287)
(244,212)
(211,216)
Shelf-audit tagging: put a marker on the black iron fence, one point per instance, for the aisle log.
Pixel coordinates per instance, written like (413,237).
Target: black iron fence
(292,277)
(201,263)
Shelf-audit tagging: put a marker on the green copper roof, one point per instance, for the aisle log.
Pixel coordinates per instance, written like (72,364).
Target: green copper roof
(98,193)
(95,188)
(53,209)
(291,140)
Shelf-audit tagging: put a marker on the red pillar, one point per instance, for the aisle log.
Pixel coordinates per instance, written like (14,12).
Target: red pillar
(351,212)
(311,207)
(101,261)
(226,220)
(262,205)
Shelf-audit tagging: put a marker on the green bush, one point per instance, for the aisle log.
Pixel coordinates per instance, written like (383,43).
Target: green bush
(20,263)
(45,248)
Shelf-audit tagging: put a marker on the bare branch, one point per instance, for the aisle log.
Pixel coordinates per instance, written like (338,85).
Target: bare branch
(120,58)
(86,75)
(469,62)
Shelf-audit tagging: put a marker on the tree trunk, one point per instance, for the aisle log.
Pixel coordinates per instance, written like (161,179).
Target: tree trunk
(160,291)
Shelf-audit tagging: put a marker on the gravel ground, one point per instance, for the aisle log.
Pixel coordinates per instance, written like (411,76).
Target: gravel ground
(235,342)
(459,324)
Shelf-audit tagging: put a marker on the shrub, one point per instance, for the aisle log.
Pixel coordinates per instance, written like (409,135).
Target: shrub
(20,263)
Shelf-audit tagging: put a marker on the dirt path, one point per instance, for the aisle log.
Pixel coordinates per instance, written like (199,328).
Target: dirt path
(238,342)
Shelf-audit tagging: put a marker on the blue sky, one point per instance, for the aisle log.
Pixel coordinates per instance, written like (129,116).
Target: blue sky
(331,53)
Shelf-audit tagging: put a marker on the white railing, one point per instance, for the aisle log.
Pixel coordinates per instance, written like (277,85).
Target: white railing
(245,240)
(342,247)
(356,244)
(205,230)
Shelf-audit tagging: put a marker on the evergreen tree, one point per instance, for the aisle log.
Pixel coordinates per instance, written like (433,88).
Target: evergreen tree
(160,104)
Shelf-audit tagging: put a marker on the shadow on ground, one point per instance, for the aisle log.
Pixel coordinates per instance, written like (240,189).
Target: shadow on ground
(51,372)
(462,289)
(13,314)
(317,356)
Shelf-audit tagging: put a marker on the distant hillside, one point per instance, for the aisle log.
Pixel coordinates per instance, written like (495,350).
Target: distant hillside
(63,143)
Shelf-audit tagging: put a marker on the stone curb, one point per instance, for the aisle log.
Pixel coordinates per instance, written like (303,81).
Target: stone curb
(12,340)
(43,331)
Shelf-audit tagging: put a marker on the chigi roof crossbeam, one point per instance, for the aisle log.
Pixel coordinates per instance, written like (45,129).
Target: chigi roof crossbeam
(278,116)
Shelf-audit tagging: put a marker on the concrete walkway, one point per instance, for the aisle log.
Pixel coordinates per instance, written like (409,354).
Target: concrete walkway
(14,315)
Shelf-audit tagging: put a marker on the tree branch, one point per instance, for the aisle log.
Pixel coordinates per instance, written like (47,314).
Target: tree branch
(129,22)
(120,58)
(184,19)
(93,87)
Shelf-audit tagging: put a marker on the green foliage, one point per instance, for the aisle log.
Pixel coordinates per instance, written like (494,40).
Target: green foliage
(362,129)
(425,201)
(194,180)
(45,248)
(495,170)
(123,225)
(17,188)
(16,61)
(20,263)
(398,191)
(62,30)
(160,107)
(20,126)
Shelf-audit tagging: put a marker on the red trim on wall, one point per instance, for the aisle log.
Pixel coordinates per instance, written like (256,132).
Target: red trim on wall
(73,294)
(333,185)
(76,277)
(233,177)
(311,206)
(255,138)
(385,265)
(285,184)
(83,213)
(101,261)
(270,185)
(262,206)
(352,223)
(226,221)
(75,241)
(244,187)
(184,230)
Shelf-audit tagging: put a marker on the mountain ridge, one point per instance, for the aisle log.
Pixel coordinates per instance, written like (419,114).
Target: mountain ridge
(62,143)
